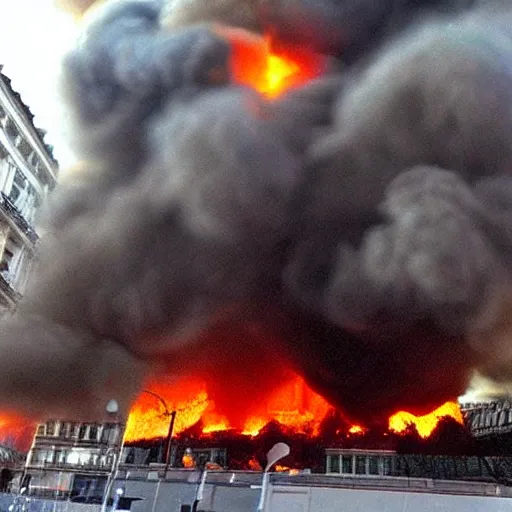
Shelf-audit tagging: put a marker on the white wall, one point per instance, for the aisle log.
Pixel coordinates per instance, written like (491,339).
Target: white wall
(322,499)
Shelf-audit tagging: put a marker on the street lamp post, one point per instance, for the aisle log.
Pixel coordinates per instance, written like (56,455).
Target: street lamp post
(167,452)
(112,409)
(277,452)
(168,442)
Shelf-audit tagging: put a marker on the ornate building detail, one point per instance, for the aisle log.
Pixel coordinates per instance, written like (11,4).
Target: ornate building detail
(72,460)
(28,172)
(488,418)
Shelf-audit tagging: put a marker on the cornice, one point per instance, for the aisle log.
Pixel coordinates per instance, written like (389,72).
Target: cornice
(23,118)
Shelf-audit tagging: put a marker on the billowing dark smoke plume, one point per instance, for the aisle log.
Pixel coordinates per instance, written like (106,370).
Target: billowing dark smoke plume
(358,229)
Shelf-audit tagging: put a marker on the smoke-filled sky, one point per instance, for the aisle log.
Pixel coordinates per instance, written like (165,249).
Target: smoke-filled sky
(358,230)
(34,36)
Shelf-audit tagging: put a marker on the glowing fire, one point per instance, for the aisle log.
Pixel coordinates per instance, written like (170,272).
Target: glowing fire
(254,465)
(426,424)
(292,404)
(16,431)
(279,73)
(258,63)
(356,429)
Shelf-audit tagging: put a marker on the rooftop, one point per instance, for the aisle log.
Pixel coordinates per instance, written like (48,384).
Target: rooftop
(28,113)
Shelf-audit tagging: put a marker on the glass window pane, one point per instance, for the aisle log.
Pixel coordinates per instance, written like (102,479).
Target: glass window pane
(360,464)
(373,465)
(93,432)
(346,464)
(387,466)
(333,463)
(82,431)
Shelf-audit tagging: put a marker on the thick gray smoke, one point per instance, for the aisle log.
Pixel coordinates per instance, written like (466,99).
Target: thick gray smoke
(361,223)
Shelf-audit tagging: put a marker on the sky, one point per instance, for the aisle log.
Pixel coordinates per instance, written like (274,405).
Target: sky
(34,36)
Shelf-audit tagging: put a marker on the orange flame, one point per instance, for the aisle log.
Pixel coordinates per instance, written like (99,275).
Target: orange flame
(258,63)
(16,431)
(293,404)
(254,465)
(356,430)
(426,424)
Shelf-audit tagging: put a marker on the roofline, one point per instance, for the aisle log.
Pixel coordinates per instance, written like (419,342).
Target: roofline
(51,164)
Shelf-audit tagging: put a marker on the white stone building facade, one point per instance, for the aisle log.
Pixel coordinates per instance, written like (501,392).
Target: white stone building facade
(28,172)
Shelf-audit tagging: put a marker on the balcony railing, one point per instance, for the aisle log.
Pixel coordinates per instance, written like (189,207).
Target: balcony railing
(101,467)
(9,207)
(8,290)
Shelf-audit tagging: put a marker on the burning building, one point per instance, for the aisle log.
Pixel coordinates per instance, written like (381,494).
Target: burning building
(293,224)
(280,201)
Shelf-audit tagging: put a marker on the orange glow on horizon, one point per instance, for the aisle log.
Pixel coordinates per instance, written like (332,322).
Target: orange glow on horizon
(16,431)
(426,424)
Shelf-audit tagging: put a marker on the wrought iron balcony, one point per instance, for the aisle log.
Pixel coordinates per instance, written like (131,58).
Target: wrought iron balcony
(9,207)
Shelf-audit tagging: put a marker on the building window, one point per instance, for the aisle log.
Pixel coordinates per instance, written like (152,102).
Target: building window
(360,464)
(6,262)
(38,457)
(23,195)
(19,185)
(387,466)
(373,465)
(50,457)
(93,432)
(50,428)
(219,456)
(57,456)
(88,489)
(333,464)
(41,430)
(82,432)
(346,464)
(110,434)
(65,430)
